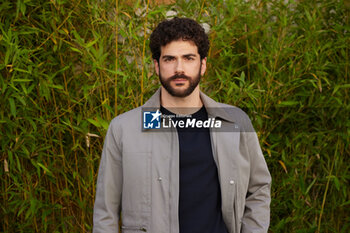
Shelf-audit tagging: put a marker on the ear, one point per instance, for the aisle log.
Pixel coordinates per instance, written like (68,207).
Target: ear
(156,66)
(203,65)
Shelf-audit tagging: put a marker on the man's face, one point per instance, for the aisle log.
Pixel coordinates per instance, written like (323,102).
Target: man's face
(180,67)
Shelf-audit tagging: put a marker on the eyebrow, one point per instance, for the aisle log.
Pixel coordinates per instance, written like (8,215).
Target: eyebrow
(167,56)
(185,55)
(189,55)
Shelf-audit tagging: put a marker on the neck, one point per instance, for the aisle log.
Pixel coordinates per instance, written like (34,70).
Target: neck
(181,105)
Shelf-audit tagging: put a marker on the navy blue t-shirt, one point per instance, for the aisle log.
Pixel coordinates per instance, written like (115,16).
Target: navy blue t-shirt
(200,196)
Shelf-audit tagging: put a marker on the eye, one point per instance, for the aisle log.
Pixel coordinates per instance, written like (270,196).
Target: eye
(189,58)
(168,59)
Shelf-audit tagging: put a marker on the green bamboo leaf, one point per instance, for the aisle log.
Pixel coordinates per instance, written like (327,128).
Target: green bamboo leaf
(33,206)
(345,203)
(32,124)
(21,80)
(77,36)
(60,87)
(12,107)
(103,122)
(23,8)
(336,183)
(337,87)
(288,103)
(7,56)
(310,186)
(302,184)
(95,123)
(110,109)
(76,50)
(23,71)
(118,72)
(19,167)
(45,169)
(20,98)
(23,207)
(88,45)
(28,213)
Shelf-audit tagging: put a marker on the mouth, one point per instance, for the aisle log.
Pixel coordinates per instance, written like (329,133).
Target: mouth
(179,81)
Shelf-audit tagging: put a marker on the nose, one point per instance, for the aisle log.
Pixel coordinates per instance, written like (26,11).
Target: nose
(179,67)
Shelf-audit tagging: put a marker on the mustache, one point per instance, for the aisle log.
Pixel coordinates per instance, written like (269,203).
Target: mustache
(177,76)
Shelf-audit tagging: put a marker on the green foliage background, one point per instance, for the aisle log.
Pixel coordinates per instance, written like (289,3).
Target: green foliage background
(68,67)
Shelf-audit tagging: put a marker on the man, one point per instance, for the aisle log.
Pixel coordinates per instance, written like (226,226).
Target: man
(182,178)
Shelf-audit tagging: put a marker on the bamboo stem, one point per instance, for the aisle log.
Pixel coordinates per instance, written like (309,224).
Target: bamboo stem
(116,60)
(327,186)
(202,6)
(247,51)
(143,51)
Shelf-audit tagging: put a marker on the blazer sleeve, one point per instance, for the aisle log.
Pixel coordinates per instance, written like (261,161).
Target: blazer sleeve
(109,185)
(256,216)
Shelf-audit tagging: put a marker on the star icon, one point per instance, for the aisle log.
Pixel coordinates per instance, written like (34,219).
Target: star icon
(156,115)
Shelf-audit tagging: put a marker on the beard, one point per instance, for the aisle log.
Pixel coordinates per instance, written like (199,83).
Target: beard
(193,83)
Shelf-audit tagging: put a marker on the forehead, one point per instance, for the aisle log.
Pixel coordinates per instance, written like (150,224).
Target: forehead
(178,48)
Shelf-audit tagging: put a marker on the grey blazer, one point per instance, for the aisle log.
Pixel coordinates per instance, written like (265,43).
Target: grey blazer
(138,178)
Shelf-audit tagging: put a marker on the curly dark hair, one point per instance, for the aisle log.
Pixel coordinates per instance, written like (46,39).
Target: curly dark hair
(176,29)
